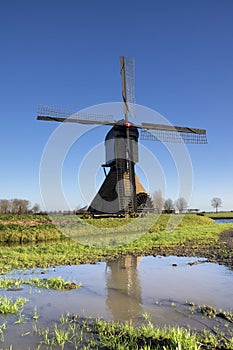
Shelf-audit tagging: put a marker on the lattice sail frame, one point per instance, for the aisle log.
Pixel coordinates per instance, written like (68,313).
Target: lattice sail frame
(130,85)
(173,136)
(46,111)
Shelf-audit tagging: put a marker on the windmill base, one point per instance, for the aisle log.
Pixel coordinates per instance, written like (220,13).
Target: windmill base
(107,202)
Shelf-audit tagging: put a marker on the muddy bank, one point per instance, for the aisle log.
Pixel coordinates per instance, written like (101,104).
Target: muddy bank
(227,238)
(220,252)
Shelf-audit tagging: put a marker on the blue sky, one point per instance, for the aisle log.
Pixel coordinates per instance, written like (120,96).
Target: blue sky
(66,54)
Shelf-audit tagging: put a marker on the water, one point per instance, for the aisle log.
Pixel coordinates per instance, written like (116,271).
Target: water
(126,288)
(223,221)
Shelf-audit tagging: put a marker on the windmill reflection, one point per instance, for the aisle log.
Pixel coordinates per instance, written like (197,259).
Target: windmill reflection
(123,288)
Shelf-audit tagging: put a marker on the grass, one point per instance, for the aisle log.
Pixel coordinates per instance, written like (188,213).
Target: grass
(27,228)
(126,336)
(99,232)
(221,215)
(165,233)
(75,332)
(52,283)
(211,312)
(100,334)
(7,305)
(160,234)
(48,283)
(3,327)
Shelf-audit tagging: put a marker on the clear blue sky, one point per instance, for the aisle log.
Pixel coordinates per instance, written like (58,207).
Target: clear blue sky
(66,54)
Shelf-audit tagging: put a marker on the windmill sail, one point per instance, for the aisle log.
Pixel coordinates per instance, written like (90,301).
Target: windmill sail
(130,85)
(127,80)
(175,134)
(61,115)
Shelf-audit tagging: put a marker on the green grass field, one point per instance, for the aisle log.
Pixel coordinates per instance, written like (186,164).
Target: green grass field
(221,215)
(54,248)
(36,241)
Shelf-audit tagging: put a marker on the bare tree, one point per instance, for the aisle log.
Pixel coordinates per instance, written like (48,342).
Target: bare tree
(4,206)
(181,204)
(19,206)
(24,206)
(168,205)
(216,203)
(36,208)
(158,201)
(14,206)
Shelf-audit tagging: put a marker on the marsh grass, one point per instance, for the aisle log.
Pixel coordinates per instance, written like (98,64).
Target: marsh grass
(9,282)
(7,305)
(3,327)
(100,334)
(75,332)
(21,318)
(56,283)
(211,312)
(35,315)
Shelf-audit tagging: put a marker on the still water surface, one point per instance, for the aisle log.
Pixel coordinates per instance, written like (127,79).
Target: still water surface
(223,221)
(124,289)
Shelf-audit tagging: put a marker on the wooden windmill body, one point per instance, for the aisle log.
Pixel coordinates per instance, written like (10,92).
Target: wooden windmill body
(122,191)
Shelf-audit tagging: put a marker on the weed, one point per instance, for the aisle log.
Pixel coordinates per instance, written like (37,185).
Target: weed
(48,283)
(146,316)
(208,311)
(2,329)
(46,337)
(25,334)
(21,318)
(9,283)
(35,315)
(100,334)
(61,336)
(7,305)
(52,283)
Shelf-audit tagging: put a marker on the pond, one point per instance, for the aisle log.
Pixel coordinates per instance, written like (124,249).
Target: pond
(124,289)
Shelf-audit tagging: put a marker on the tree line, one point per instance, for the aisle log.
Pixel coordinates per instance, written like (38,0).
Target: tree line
(167,205)
(160,204)
(22,206)
(17,206)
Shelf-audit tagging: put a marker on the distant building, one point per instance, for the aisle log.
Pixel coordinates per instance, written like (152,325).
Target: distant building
(192,211)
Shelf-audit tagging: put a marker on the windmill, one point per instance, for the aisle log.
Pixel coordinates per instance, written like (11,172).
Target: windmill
(122,192)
